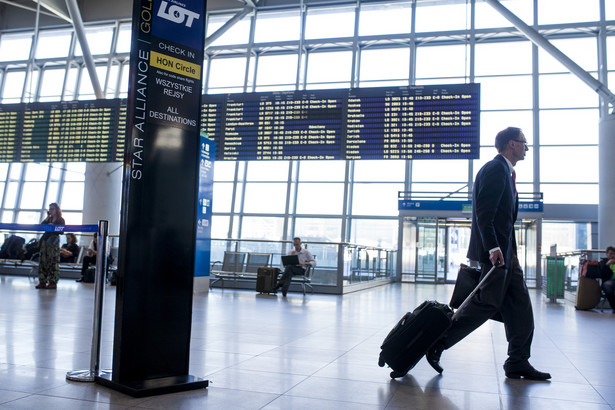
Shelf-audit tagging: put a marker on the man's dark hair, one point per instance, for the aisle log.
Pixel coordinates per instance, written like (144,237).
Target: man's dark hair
(610,248)
(297,238)
(510,133)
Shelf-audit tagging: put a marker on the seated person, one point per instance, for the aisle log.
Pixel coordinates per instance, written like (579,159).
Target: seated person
(305,259)
(89,258)
(607,272)
(70,250)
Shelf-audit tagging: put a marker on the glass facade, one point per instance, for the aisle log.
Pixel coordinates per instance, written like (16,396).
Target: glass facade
(341,45)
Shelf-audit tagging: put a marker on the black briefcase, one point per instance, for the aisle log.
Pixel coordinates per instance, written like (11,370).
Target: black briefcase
(467,280)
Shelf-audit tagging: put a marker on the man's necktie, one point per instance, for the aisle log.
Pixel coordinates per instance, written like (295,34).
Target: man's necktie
(514,178)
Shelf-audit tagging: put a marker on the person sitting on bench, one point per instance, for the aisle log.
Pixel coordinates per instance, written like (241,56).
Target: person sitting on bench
(607,271)
(89,258)
(70,250)
(305,259)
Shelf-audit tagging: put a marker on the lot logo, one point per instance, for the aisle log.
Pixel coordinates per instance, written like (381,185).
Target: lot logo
(177,14)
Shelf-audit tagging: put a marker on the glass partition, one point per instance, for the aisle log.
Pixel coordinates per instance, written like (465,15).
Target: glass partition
(340,267)
(572,266)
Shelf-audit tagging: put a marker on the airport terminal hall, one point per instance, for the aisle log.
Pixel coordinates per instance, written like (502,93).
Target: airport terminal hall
(307,204)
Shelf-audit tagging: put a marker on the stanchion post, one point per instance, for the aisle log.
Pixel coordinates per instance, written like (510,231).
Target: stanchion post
(100,277)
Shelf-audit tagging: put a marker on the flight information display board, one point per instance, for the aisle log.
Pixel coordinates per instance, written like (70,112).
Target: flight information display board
(419,122)
(76,131)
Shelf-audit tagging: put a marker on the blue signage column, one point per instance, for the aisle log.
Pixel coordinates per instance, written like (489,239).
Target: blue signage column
(153,316)
(202,257)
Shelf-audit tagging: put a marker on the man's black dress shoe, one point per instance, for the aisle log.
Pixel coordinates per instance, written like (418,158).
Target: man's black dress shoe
(79,280)
(525,370)
(433,357)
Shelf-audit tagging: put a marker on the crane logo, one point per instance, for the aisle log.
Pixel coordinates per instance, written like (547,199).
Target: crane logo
(177,14)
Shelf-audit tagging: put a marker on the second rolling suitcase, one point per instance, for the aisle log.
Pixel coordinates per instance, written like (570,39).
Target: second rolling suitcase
(416,332)
(588,293)
(266,279)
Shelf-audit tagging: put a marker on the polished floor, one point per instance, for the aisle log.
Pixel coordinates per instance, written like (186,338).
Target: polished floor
(312,352)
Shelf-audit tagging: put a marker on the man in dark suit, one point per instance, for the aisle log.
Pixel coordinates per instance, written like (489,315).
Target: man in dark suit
(492,242)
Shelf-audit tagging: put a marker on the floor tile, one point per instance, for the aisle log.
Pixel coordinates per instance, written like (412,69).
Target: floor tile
(212,398)
(312,352)
(345,390)
(58,403)
(257,381)
(443,400)
(285,364)
(305,403)
(8,396)
(607,393)
(552,390)
(91,391)
(533,403)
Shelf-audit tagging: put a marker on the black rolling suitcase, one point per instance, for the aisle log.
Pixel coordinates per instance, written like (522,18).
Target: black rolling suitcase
(265,279)
(416,332)
(413,335)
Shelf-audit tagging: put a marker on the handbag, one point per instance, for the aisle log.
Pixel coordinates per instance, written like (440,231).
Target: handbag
(467,279)
(53,240)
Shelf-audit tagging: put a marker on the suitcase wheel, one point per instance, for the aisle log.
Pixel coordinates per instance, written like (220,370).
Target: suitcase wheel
(381,361)
(395,374)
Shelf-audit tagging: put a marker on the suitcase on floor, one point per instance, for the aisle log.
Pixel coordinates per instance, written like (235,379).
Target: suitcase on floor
(413,335)
(588,293)
(416,333)
(266,279)
(89,276)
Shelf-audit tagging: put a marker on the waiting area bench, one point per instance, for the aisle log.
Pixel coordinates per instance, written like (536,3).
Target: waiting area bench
(30,268)
(67,270)
(304,280)
(244,266)
(233,266)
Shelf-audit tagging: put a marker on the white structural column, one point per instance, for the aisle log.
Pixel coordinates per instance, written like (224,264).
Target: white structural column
(75,15)
(103,193)
(606,178)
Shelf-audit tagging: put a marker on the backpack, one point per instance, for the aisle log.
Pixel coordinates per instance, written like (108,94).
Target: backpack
(590,269)
(32,249)
(12,248)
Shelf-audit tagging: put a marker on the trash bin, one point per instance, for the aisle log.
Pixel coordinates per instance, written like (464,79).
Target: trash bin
(555,265)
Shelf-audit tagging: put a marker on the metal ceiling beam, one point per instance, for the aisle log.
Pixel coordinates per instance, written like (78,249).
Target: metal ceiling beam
(21,6)
(56,7)
(226,26)
(75,16)
(536,38)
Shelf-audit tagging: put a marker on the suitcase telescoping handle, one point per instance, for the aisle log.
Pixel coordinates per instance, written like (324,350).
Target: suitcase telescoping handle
(467,300)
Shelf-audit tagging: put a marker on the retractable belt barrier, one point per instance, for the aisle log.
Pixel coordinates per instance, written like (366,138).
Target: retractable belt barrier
(101,267)
(48,228)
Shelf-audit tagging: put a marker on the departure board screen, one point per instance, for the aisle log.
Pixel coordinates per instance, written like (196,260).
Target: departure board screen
(420,122)
(76,131)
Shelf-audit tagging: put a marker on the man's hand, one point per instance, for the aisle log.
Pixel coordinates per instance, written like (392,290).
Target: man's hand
(496,257)
(610,262)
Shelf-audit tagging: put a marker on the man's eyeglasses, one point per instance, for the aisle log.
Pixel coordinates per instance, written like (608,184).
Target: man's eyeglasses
(524,142)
